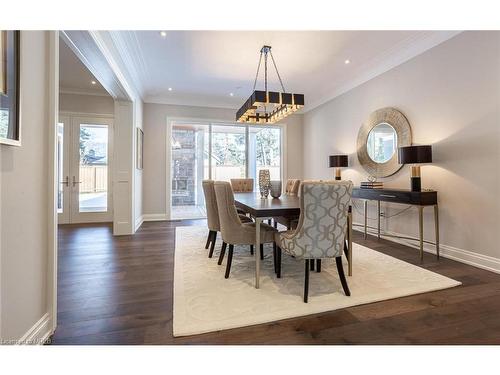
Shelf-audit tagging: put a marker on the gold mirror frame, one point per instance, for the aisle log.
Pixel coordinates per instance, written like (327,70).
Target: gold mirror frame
(402,127)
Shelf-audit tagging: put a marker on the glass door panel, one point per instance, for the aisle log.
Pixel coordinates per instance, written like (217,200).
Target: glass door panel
(63,186)
(90,170)
(190,166)
(264,152)
(93,168)
(228,152)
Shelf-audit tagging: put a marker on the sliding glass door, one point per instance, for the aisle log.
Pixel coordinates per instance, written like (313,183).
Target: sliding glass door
(217,151)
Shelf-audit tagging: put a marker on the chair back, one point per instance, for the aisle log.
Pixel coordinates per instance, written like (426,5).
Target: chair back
(230,224)
(292,187)
(322,224)
(242,185)
(211,205)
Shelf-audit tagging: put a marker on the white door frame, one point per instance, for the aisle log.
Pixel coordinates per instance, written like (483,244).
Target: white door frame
(168,153)
(63,218)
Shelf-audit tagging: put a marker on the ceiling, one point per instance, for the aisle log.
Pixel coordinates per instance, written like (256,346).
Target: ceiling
(203,68)
(74,77)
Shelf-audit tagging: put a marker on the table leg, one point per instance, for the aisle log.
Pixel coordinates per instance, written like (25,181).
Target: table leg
(436,226)
(366,215)
(378,219)
(421,231)
(349,228)
(258,221)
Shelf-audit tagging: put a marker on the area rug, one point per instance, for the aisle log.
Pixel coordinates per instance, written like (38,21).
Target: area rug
(204,301)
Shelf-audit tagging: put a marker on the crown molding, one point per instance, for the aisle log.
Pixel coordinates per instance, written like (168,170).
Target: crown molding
(387,60)
(75,91)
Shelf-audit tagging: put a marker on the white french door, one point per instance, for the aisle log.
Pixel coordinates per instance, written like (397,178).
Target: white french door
(84,169)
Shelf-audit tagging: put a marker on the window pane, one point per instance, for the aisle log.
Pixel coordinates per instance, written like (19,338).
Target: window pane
(93,168)
(264,152)
(190,150)
(60,177)
(228,152)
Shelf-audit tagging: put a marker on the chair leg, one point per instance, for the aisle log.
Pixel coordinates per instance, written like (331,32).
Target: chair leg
(209,238)
(251,249)
(278,255)
(269,221)
(229,260)
(343,280)
(261,251)
(275,224)
(275,258)
(318,265)
(306,281)
(212,246)
(311,264)
(222,252)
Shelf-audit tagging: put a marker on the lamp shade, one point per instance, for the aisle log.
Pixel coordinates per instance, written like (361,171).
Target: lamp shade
(415,154)
(336,161)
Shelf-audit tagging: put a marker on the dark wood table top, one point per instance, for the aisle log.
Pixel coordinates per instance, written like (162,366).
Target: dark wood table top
(404,196)
(252,203)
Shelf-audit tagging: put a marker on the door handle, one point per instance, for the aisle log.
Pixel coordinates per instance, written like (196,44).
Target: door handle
(75,181)
(66,181)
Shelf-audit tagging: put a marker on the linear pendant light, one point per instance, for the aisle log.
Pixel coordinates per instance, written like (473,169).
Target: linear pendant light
(268,107)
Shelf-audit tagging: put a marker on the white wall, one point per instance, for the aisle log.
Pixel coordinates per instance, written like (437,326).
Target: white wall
(155,145)
(24,207)
(451,97)
(93,104)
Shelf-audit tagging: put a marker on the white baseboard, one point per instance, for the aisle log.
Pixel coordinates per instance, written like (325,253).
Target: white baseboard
(154,217)
(464,256)
(39,333)
(138,222)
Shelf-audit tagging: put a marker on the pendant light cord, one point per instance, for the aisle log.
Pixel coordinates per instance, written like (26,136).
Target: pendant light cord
(278,73)
(257,75)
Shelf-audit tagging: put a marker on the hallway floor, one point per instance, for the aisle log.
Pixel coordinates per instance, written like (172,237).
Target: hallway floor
(118,290)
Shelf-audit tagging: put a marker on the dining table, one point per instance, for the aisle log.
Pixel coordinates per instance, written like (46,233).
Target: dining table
(286,205)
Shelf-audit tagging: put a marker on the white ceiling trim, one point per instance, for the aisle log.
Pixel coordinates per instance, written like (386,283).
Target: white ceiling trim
(74,91)
(388,60)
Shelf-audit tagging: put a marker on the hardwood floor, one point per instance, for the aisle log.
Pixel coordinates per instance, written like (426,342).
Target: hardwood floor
(119,290)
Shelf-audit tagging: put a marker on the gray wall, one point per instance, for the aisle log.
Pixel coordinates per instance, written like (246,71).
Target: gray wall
(155,144)
(451,97)
(103,105)
(23,199)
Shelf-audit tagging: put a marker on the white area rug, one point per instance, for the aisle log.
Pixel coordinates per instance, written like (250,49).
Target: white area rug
(204,301)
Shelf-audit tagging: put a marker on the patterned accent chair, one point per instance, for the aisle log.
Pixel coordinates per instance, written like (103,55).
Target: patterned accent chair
(233,231)
(291,188)
(322,228)
(213,215)
(242,185)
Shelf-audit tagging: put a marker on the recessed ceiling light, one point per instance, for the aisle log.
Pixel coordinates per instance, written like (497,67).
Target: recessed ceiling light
(231,94)
(170,89)
(163,34)
(93,82)
(347,61)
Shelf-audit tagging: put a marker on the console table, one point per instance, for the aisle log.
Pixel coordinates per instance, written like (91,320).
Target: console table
(420,199)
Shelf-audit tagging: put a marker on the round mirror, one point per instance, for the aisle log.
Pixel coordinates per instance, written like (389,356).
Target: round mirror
(382,133)
(382,143)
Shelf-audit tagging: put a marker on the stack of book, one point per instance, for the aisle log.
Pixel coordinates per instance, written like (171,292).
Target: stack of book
(372,185)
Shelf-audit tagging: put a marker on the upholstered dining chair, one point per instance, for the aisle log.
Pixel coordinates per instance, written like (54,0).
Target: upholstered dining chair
(213,215)
(291,188)
(242,185)
(322,228)
(233,231)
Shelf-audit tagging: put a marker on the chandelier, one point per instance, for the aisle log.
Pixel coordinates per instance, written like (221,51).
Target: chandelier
(268,107)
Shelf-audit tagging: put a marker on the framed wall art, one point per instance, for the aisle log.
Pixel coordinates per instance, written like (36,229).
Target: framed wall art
(10,125)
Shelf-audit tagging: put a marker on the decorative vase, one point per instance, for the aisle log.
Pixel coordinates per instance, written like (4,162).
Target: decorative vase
(264,182)
(275,189)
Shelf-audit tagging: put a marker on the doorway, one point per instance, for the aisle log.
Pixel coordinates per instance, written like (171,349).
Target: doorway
(84,156)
